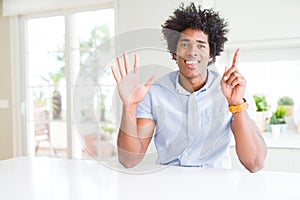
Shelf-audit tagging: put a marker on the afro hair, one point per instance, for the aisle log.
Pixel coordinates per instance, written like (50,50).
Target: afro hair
(192,17)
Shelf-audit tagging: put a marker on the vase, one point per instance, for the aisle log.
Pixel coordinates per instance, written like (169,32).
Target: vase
(56,104)
(275,130)
(283,128)
(288,108)
(261,120)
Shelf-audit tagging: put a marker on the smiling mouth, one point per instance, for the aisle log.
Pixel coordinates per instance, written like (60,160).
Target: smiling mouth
(192,62)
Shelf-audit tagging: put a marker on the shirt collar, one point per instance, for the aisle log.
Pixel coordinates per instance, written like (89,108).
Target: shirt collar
(183,91)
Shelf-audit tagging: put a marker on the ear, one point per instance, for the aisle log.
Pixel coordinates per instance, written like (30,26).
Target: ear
(174,56)
(210,60)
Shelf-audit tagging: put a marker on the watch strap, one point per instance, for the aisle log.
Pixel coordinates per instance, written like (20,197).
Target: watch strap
(238,108)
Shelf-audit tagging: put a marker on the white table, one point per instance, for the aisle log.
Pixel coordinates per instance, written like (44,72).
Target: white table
(49,178)
(289,139)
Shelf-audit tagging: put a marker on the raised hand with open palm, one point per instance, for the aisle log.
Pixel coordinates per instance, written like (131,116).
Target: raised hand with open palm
(130,90)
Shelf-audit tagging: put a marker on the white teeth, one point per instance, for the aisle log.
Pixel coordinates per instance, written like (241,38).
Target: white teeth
(191,62)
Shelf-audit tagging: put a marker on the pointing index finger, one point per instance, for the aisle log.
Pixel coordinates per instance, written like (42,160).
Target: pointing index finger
(233,68)
(235,58)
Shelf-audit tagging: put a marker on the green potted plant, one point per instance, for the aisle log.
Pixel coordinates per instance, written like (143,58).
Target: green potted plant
(261,102)
(277,121)
(287,103)
(262,108)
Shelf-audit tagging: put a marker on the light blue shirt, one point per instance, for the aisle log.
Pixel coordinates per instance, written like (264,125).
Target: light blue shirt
(192,129)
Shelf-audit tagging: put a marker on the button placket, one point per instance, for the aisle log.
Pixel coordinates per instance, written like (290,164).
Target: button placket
(191,126)
(191,117)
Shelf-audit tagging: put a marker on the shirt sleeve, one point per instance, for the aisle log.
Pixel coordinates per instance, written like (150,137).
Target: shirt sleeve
(144,109)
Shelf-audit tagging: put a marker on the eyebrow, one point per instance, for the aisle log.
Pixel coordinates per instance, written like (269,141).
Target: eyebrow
(187,40)
(200,41)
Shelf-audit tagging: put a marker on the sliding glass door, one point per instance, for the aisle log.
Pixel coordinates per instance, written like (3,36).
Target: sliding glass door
(56,48)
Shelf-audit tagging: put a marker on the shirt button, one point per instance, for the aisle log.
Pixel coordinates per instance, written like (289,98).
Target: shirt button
(185,153)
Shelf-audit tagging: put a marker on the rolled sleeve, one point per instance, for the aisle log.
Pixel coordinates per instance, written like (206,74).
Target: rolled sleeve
(144,109)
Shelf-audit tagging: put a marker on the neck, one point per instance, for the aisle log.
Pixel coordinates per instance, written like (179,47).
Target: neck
(193,84)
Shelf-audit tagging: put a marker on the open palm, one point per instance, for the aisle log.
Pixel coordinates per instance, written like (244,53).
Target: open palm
(129,87)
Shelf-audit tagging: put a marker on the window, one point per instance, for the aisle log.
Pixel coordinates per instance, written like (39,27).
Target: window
(267,72)
(273,79)
(270,70)
(56,48)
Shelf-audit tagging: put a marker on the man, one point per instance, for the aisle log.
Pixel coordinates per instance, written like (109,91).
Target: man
(193,111)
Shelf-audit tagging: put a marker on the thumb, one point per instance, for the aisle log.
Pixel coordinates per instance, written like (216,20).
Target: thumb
(150,81)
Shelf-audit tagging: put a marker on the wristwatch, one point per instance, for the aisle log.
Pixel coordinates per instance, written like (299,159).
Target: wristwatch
(238,108)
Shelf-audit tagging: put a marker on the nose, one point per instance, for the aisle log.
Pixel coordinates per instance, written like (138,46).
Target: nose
(193,50)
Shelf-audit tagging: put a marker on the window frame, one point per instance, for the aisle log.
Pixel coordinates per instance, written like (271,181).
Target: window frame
(21,133)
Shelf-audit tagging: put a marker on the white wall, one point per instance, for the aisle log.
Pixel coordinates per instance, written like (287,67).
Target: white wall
(133,14)
(253,24)
(261,20)
(265,30)
(249,20)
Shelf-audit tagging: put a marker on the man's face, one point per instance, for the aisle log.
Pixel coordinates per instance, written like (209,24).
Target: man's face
(193,53)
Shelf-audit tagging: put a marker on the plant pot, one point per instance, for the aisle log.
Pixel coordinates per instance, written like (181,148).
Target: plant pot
(56,104)
(261,120)
(290,122)
(276,128)
(283,128)
(289,109)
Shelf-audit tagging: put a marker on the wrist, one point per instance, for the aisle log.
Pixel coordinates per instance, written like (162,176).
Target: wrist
(130,107)
(238,102)
(236,108)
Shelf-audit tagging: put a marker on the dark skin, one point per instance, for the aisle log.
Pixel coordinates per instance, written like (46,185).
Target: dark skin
(192,57)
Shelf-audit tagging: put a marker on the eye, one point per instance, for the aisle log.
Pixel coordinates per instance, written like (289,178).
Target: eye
(200,46)
(184,45)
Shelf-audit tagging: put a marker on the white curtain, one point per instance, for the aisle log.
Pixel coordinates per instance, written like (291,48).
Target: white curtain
(21,7)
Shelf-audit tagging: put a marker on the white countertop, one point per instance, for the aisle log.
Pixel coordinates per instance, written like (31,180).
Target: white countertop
(288,139)
(61,179)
